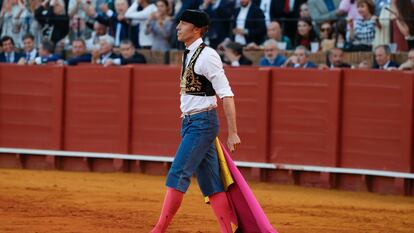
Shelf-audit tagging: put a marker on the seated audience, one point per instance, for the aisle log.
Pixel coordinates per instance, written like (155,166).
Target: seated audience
(271,55)
(104,55)
(128,55)
(335,59)
(383,58)
(9,54)
(46,56)
(300,59)
(79,54)
(274,31)
(233,55)
(29,50)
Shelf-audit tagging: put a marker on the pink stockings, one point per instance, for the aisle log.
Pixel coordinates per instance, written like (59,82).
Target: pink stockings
(172,202)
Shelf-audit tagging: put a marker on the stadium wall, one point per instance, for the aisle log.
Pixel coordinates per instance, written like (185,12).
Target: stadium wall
(302,127)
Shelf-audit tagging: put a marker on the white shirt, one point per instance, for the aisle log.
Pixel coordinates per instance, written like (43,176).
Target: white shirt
(141,17)
(240,23)
(210,66)
(265,6)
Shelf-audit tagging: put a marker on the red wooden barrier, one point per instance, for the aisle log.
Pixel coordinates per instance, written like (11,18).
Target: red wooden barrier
(30,106)
(97,107)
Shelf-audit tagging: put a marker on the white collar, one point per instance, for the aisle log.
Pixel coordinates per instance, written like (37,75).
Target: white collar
(195,44)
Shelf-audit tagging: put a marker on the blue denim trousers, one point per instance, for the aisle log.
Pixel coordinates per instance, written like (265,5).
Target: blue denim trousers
(197,154)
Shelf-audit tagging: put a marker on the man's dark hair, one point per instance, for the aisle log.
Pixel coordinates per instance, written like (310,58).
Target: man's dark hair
(237,48)
(127,42)
(28,36)
(6,38)
(80,40)
(386,48)
(48,46)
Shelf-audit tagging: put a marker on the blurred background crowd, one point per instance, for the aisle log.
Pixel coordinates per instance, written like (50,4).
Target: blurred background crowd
(111,32)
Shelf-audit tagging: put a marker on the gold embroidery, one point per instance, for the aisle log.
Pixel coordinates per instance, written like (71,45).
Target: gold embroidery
(189,82)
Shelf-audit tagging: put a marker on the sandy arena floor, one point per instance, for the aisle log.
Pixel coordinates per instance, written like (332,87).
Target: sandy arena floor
(50,201)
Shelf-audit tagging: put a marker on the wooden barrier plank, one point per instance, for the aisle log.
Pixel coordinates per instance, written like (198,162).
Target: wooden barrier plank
(97,109)
(377,120)
(31,106)
(304,117)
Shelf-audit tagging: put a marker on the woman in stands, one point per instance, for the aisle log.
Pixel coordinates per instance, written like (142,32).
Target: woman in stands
(161,27)
(305,33)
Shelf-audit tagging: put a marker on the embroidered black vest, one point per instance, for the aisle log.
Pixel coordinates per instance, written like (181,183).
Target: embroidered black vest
(192,83)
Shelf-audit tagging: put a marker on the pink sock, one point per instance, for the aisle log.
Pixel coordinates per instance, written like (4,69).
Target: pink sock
(223,211)
(172,202)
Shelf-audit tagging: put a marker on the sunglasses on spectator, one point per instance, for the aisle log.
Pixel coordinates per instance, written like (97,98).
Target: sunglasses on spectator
(325,29)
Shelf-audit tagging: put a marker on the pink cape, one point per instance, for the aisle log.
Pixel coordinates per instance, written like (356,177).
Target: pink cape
(250,215)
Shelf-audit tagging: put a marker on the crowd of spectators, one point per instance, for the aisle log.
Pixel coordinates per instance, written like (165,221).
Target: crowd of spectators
(108,32)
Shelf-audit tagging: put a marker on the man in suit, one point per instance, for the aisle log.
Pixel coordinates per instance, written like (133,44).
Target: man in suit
(79,53)
(46,54)
(8,55)
(335,59)
(383,58)
(220,13)
(249,24)
(104,55)
(286,12)
(29,50)
(129,55)
(324,10)
(300,59)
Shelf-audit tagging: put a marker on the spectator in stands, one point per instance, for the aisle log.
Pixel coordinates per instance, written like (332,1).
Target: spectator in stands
(272,57)
(141,17)
(405,19)
(324,10)
(363,33)
(79,54)
(54,20)
(335,59)
(326,36)
(233,55)
(10,20)
(119,26)
(249,24)
(300,59)
(9,54)
(161,26)
(409,64)
(30,52)
(304,11)
(383,58)
(104,55)
(99,30)
(287,13)
(46,56)
(274,32)
(305,34)
(30,24)
(220,13)
(349,7)
(78,15)
(129,55)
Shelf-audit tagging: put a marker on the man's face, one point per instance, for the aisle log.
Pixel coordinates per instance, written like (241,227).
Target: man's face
(381,57)
(127,50)
(121,7)
(8,46)
(78,48)
(185,31)
(273,31)
(244,3)
(336,57)
(104,47)
(301,56)
(99,29)
(270,51)
(28,45)
(43,52)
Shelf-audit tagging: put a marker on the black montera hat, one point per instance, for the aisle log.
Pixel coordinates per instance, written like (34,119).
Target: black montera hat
(198,18)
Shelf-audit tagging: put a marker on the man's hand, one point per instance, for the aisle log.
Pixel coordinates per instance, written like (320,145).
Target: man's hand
(233,141)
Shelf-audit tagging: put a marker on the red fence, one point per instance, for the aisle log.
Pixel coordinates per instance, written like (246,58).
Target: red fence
(334,118)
